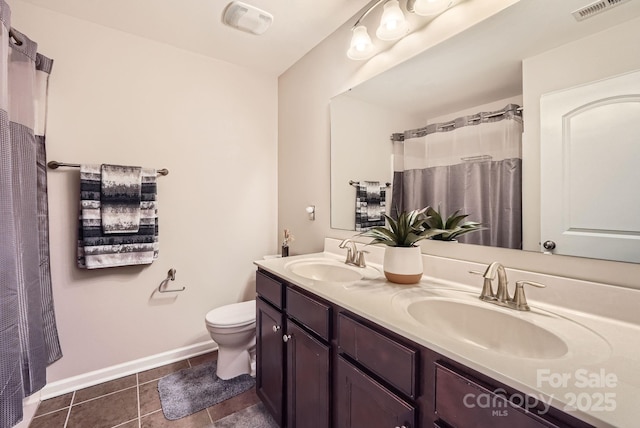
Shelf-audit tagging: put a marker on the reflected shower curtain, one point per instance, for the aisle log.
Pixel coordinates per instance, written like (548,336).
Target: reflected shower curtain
(473,164)
(28,334)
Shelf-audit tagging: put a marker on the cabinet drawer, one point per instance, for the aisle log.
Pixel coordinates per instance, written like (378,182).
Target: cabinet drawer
(269,289)
(461,402)
(309,312)
(384,356)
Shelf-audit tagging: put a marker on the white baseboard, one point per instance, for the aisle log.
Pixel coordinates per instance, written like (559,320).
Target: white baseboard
(85,380)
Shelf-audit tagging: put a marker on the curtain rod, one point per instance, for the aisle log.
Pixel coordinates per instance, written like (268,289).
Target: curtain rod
(56,165)
(510,110)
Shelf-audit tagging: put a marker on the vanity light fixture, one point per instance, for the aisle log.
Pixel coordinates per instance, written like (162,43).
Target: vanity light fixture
(393,24)
(311,211)
(430,7)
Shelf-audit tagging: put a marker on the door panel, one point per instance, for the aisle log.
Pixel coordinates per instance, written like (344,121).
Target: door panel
(590,148)
(308,378)
(269,359)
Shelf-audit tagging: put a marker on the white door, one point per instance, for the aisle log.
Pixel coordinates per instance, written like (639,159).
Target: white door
(590,169)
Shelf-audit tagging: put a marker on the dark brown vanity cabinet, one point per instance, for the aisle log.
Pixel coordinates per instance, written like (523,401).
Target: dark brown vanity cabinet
(319,365)
(269,346)
(293,355)
(376,378)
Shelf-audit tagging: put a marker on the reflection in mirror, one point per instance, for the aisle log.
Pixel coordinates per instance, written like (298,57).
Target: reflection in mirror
(590,210)
(472,166)
(504,59)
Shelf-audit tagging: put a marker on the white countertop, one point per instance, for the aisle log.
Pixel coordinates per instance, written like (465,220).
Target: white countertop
(597,381)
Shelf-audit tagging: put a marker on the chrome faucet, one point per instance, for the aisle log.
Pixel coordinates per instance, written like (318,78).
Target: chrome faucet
(501,296)
(354,257)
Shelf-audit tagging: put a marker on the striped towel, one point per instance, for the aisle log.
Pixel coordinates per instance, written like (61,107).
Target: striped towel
(120,198)
(370,205)
(98,250)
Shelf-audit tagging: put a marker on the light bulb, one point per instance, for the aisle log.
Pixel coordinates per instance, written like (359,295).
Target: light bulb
(393,24)
(361,46)
(430,7)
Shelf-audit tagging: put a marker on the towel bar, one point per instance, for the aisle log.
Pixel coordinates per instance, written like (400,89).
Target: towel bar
(171,276)
(357,183)
(56,165)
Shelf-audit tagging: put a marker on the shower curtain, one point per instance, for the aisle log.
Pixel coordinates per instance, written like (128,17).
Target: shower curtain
(472,164)
(28,335)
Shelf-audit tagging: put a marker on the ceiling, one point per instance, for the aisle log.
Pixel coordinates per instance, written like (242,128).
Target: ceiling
(196,25)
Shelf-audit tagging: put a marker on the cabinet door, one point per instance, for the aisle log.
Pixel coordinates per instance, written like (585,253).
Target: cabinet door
(269,358)
(308,379)
(363,402)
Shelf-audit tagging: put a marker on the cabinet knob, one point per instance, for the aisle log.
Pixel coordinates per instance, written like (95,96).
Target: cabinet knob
(286,338)
(275,328)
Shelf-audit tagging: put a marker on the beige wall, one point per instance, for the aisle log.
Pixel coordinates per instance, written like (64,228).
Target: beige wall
(304,143)
(118,98)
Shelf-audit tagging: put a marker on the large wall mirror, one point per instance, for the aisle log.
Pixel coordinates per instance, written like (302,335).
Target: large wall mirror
(530,51)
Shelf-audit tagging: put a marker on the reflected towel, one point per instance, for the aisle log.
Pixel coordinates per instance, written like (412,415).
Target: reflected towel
(370,205)
(99,250)
(120,198)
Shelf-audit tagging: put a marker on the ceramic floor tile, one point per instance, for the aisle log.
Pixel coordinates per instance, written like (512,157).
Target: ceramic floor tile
(161,371)
(105,412)
(55,403)
(51,420)
(131,424)
(104,388)
(157,420)
(232,405)
(204,358)
(149,398)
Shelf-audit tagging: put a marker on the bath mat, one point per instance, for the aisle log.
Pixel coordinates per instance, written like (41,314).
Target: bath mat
(191,390)
(255,416)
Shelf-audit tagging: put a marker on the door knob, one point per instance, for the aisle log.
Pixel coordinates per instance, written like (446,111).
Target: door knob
(549,245)
(286,338)
(275,328)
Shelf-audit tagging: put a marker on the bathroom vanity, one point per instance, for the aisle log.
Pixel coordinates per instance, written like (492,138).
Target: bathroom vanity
(336,351)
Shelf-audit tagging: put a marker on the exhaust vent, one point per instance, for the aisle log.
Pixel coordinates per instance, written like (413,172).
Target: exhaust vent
(595,8)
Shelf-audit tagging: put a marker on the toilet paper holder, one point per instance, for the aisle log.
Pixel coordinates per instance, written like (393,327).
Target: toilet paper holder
(171,276)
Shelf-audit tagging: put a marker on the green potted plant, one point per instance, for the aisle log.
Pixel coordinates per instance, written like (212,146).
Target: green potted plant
(452,227)
(402,258)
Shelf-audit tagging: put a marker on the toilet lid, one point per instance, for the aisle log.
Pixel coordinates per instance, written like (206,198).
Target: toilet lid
(232,315)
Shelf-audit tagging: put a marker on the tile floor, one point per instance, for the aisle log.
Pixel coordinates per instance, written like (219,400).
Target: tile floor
(131,402)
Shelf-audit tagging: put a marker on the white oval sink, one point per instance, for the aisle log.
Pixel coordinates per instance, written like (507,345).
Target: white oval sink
(488,328)
(327,272)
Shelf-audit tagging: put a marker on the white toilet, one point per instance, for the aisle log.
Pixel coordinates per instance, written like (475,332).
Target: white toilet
(233,328)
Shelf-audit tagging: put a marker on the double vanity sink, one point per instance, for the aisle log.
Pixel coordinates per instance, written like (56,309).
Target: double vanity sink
(459,315)
(527,350)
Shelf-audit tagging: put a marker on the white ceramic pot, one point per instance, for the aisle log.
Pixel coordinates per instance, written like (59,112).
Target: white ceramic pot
(403,265)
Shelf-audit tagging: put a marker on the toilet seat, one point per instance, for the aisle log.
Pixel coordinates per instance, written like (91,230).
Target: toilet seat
(233,315)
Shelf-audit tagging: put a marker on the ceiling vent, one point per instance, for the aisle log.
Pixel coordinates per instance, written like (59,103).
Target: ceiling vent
(595,8)
(247,18)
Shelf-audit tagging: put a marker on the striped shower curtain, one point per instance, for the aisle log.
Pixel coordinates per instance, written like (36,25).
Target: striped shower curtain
(28,334)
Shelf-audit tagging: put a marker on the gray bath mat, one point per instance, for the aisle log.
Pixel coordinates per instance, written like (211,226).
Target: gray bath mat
(191,390)
(255,416)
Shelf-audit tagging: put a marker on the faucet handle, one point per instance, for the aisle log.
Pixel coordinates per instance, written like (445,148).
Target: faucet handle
(487,293)
(519,299)
(359,259)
